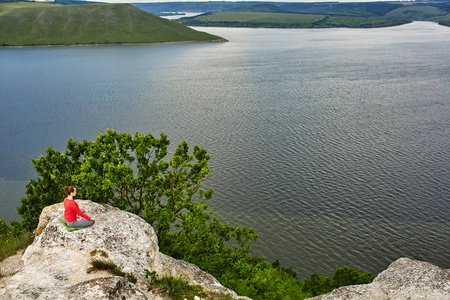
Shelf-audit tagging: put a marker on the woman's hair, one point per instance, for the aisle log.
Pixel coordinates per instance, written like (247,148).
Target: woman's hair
(69,190)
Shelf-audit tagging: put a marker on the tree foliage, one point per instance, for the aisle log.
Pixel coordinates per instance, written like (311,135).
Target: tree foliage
(131,173)
(343,276)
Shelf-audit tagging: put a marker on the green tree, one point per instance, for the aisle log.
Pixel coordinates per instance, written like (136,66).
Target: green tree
(317,285)
(343,276)
(349,276)
(130,172)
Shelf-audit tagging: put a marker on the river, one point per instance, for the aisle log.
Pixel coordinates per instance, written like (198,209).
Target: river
(334,144)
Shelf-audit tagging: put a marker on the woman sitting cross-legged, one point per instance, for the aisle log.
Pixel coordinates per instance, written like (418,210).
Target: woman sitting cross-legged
(71,210)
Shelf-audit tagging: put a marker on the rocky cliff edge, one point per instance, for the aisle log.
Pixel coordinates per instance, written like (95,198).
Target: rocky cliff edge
(405,279)
(55,265)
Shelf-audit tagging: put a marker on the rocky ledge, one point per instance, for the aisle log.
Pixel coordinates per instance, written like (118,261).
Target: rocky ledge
(405,279)
(55,265)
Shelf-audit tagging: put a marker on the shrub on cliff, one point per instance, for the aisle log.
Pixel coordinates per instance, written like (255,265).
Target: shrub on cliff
(318,285)
(131,173)
(13,238)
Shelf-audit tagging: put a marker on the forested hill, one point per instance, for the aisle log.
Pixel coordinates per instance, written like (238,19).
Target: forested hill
(24,23)
(306,15)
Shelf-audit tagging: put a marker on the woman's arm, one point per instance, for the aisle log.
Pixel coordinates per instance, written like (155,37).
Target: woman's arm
(79,212)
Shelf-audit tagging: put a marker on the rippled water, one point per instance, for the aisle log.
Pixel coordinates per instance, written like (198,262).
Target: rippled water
(334,144)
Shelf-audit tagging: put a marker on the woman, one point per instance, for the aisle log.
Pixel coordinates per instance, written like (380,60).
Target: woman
(71,210)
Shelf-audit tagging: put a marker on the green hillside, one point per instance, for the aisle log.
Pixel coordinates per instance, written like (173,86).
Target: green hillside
(260,8)
(24,23)
(362,9)
(323,15)
(445,20)
(234,18)
(416,12)
(253,19)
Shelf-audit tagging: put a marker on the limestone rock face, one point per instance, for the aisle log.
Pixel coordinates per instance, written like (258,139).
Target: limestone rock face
(405,279)
(55,265)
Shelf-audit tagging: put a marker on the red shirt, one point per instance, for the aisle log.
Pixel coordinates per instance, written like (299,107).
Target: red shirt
(71,210)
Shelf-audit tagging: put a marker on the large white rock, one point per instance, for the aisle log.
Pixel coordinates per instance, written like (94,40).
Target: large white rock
(55,265)
(405,279)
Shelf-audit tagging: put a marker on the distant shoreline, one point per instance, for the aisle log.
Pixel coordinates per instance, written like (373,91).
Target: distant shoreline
(330,27)
(319,28)
(222,40)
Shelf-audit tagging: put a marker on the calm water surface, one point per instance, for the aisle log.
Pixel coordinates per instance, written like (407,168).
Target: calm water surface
(334,144)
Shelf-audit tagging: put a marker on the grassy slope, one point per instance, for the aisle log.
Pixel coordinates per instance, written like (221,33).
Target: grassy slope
(366,9)
(444,20)
(322,15)
(238,18)
(280,20)
(260,8)
(416,12)
(50,24)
